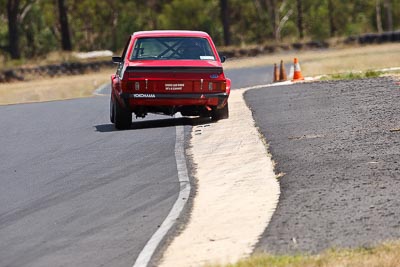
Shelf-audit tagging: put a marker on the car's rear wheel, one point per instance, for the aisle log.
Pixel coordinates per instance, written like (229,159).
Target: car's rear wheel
(112,116)
(122,117)
(220,114)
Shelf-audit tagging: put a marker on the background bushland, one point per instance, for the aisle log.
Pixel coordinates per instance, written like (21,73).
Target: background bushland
(32,28)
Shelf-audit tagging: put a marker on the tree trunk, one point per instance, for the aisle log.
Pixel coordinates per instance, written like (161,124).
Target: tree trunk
(378,16)
(332,26)
(389,15)
(225,21)
(274,17)
(65,36)
(300,19)
(13,33)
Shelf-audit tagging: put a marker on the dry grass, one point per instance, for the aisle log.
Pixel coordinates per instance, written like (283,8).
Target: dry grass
(55,57)
(331,61)
(312,63)
(385,255)
(49,89)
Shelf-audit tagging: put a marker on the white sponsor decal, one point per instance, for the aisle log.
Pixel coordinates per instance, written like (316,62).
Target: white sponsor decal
(174,86)
(207,57)
(144,95)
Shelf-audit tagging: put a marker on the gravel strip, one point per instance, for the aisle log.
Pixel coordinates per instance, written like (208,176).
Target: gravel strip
(337,144)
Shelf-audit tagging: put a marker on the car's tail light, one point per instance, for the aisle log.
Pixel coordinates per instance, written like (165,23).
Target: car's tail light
(220,86)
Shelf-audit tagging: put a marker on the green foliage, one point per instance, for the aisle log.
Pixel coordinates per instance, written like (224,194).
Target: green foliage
(372,74)
(106,24)
(290,30)
(38,38)
(249,22)
(353,75)
(317,27)
(3,28)
(3,34)
(191,15)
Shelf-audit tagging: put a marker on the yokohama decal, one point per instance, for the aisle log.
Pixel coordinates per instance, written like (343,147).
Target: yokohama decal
(144,95)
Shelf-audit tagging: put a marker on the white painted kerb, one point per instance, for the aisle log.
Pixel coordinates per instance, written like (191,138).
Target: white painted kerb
(151,246)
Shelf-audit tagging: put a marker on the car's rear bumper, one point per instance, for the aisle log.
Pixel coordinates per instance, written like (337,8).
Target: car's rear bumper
(155,99)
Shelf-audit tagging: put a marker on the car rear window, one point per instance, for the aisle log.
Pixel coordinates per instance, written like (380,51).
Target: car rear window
(172,48)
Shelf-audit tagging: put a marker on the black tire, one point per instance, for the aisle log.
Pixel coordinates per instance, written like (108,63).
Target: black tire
(220,114)
(122,117)
(112,116)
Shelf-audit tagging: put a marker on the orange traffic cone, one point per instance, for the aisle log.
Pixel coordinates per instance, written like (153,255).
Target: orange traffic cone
(276,73)
(282,73)
(297,76)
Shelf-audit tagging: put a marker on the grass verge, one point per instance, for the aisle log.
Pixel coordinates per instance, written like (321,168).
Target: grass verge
(330,61)
(313,63)
(49,89)
(353,75)
(55,57)
(384,255)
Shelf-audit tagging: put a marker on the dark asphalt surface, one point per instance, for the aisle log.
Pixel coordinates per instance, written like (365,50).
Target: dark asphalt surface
(74,192)
(341,182)
(246,77)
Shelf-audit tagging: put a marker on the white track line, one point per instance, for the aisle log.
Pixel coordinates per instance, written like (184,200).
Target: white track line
(145,255)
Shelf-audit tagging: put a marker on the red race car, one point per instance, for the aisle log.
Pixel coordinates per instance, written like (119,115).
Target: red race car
(166,72)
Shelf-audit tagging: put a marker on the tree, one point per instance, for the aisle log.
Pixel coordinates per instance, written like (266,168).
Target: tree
(278,14)
(282,20)
(378,16)
(389,16)
(15,16)
(273,16)
(332,25)
(191,15)
(13,34)
(225,21)
(65,34)
(300,18)
(52,25)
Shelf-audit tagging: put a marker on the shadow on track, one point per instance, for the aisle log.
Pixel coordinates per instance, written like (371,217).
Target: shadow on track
(104,128)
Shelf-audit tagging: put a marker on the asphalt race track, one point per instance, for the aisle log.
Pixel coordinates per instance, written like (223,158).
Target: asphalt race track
(75,192)
(337,144)
(247,77)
